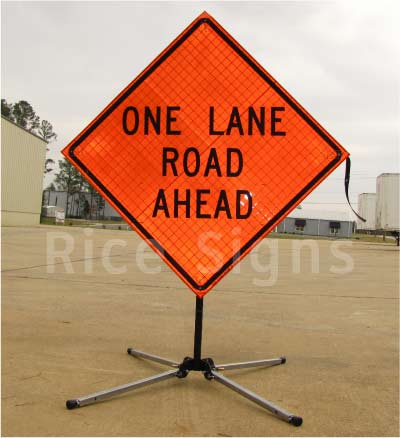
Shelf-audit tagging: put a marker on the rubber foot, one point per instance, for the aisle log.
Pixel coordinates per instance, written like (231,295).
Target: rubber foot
(129,350)
(72,404)
(296,421)
(283,359)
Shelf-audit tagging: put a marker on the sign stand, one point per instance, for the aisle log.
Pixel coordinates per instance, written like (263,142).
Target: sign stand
(195,363)
(255,153)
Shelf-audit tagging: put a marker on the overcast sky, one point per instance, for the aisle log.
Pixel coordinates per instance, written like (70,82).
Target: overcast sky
(340,60)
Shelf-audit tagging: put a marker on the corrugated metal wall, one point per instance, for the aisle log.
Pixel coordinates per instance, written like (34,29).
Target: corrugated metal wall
(367,210)
(59,199)
(22,165)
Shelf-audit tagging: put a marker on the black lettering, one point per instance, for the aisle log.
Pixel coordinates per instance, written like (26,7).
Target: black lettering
(161,204)
(235,122)
(275,120)
(229,170)
(222,205)
(155,121)
(170,160)
(127,130)
(200,202)
(171,119)
(212,131)
(247,195)
(178,202)
(186,169)
(213,163)
(260,122)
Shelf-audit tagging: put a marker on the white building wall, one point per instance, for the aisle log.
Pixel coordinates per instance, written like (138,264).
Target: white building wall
(22,164)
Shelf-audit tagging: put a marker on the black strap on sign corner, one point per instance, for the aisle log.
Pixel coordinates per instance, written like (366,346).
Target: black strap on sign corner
(346,187)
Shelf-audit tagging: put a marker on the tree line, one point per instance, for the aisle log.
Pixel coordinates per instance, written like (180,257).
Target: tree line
(25,116)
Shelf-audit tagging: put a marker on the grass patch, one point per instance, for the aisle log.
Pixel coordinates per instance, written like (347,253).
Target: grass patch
(78,222)
(87,223)
(356,237)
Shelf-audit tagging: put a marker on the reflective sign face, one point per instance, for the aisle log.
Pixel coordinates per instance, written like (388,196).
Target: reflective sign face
(204,153)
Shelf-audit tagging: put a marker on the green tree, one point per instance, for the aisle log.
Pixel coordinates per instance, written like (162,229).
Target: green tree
(86,208)
(7,109)
(78,190)
(62,179)
(100,204)
(93,193)
(45,130)
(25,116)
(67,180)
(51,187)
(48,164)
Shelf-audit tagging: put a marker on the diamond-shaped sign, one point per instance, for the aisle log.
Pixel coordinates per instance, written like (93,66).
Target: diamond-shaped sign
(204,153)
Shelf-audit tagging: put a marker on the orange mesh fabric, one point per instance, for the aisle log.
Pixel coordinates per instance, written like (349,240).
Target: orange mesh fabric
(204,153)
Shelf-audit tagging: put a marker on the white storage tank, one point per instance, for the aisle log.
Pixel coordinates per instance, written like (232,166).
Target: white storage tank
(367,210)
(387,202)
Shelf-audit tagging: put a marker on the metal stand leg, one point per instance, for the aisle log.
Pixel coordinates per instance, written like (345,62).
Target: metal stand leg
(97,396)
(254,363)
(152,357)
(276,410)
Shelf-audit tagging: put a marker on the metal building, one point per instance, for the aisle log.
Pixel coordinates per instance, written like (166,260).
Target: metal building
(76,202)
(22,165)
(367,210)
(317,223)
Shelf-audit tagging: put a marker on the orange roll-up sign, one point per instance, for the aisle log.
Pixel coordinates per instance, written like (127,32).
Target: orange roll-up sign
(204,153)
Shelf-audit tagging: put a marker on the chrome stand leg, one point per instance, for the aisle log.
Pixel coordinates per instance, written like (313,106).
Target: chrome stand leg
(152,357)
(276,410)
(254,363)
(93,398)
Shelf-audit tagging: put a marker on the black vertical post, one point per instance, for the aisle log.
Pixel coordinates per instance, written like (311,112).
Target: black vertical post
(198,328)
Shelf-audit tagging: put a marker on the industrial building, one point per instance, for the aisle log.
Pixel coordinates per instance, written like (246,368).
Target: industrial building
(80,205)
(22,165)
(318,223)
(312,223)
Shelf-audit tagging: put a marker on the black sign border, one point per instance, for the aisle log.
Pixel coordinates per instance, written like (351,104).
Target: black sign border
(271,83)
